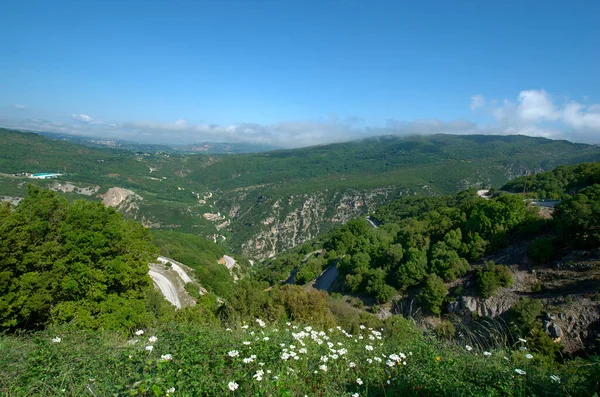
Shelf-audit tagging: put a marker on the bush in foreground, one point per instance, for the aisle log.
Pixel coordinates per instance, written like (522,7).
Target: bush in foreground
(78,263)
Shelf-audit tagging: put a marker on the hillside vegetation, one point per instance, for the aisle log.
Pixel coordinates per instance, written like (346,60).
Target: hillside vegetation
(260,204)
(79,263)
(555,184)
(77,274)
(419,238)
(292,359)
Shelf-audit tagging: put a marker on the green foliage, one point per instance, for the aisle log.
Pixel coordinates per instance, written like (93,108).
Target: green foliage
(78,263)
(540,342)
(490,277)
(304,306)
(310,270)
(432,235)
(278,270)
(492,219)
(553,185)
(577,218)
(476,246)
(541,250)
(199,254)
(445,330)
(433,293)
(446,262)
(104,364)
(413,270)
(524,314)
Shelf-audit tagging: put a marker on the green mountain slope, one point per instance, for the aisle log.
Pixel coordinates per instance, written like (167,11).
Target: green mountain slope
(259,204)
(554,184)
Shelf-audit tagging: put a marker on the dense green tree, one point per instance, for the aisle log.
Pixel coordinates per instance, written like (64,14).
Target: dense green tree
(310,270)
(433,293)
(524,313)
(394,256)
(541,250)
(80,262)
(490,277)
(446,262)
(493,219)
(577,218)
(413,269)
(413,234)
(376,285)
(476,246)
(553,185)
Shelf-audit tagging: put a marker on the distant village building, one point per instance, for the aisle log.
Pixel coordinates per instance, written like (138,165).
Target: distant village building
(44,175)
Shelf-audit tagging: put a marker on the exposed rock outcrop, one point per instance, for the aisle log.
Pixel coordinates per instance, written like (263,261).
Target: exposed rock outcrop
(123,199)
(491,307)
(298,218)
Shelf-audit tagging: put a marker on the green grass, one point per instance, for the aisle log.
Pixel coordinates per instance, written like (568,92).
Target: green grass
(108,364)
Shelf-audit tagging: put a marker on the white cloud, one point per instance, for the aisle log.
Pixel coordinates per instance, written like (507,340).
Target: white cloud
(477,101)
(533,113)
(284,134)
(581,117)
(429,127)
(536,105)
(16,106)
(84,118)
(537,113)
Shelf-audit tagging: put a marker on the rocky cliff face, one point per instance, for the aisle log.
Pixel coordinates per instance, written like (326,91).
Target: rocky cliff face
(124,200)
(289,221)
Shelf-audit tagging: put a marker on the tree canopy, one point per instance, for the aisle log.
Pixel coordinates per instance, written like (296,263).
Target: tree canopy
(80,262)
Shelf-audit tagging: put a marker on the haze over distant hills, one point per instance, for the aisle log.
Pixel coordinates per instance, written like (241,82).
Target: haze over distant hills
(199,147)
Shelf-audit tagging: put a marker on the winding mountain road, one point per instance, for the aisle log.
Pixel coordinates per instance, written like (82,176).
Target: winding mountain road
(327,277)
(372,223)
(229,262)
(166,287)
(177,267)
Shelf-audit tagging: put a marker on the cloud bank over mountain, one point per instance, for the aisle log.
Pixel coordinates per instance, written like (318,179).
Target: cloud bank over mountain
(533,113)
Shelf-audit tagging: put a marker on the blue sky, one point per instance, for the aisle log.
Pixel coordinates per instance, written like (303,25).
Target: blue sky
(294,73)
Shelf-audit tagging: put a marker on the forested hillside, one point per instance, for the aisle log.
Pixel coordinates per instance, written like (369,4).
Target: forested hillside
(259,204)
(553,185)
(439,254)
(79,263)
(420,241)
(77,274)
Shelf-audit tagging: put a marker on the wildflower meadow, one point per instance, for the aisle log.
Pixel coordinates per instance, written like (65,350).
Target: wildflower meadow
(286,359)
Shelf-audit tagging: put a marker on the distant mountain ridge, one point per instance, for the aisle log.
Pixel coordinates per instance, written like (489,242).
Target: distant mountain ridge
(200,147)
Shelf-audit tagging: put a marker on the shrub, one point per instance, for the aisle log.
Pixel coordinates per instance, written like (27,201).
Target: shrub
(433,293)
(491,277)
(75,262)
(536,287)
(445,330)
(541,250)
(524,313)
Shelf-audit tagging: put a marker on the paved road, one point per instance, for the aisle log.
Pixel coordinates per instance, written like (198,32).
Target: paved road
(484,193)
(177,267)
(166,287)
(327,278)
(229,262)
(372,223)
(549,204)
